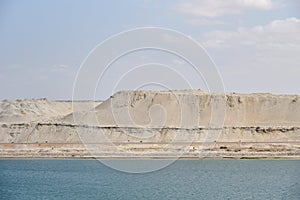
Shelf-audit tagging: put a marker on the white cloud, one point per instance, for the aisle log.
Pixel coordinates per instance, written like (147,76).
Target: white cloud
(277,34)
(216,8)
(259,59)
(204,22)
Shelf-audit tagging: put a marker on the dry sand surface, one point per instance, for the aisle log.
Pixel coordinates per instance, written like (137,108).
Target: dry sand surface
(151,124)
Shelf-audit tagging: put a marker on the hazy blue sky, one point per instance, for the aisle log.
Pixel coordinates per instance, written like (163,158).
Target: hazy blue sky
(255,44)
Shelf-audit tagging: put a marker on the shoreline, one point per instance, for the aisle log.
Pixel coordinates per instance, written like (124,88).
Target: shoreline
(152,158)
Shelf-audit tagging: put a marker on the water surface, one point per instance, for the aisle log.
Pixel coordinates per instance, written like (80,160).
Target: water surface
(185,179)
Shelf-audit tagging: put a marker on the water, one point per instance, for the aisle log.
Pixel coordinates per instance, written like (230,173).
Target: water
(185,179)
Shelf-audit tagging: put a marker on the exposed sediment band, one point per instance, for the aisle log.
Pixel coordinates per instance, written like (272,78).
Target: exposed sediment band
(141,124)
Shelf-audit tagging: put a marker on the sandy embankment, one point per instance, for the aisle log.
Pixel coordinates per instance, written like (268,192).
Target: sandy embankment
(189,124)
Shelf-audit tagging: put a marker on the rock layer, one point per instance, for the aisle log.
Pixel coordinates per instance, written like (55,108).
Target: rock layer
(154,124)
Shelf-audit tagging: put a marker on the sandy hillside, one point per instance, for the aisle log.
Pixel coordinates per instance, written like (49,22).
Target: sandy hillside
(154,124)
(36,110)
(192,109)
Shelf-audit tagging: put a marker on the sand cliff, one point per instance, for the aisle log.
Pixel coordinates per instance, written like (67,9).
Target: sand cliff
(154,124)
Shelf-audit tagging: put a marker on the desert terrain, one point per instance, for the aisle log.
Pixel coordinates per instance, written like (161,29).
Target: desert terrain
(153,124)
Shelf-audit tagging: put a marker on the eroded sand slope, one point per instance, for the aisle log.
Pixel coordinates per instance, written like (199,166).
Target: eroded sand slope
(154,124)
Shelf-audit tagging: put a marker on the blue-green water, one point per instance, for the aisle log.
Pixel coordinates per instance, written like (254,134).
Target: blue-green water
(185,179)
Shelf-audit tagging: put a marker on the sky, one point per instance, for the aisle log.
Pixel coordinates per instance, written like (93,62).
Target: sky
(254,44)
